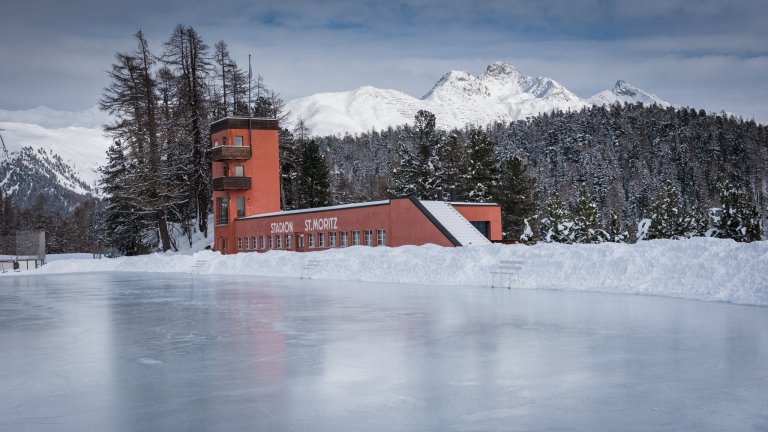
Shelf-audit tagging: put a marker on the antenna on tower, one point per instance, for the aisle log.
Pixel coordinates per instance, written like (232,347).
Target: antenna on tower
(250,74)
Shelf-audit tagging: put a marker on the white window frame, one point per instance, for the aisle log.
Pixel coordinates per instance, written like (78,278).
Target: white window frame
(239,243)
(271,242)
(355,238)
(287,241)
(332,239)
(381,237)
(344,239)
(321,240)
(311,240)
(279,241)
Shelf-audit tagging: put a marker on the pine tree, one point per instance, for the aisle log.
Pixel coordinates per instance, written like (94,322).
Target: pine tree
(736,218)
(615,232)
(670,219)
(313,177)
(417,172)
(482,170)
(187,55)
(557,223)
(586,226)
(125,224)
(517,196)
(452,170)
(131,97)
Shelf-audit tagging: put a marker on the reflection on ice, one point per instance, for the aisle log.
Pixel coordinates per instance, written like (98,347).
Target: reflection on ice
(117,351)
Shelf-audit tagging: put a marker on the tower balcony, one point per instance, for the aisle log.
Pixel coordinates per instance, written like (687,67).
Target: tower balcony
(231,183)
(222,153)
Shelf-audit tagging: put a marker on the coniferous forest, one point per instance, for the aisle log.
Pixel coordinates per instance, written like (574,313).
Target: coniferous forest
(618,173)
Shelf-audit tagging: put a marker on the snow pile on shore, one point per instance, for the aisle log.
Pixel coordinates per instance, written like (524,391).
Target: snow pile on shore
(699,268)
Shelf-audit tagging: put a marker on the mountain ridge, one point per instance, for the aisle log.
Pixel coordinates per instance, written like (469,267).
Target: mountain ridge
(501,93)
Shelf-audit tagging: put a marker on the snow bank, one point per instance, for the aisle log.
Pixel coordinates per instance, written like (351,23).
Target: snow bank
(700,268)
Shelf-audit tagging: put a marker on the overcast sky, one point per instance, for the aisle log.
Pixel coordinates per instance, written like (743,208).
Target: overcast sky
(703,53)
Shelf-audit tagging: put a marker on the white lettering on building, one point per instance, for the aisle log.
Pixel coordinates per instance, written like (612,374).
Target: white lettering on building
(321,224)
(281,227)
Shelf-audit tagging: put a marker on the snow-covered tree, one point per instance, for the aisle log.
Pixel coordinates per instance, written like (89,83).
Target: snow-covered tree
(517,196)
(417,172)
(482,167)
(616,233)
(556,225)
(586,226)
(736,218)
(671,219)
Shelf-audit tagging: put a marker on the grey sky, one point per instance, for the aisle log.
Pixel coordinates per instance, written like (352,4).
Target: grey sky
(706,54)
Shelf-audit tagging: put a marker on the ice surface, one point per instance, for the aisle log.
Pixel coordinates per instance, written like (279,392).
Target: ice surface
(164,352)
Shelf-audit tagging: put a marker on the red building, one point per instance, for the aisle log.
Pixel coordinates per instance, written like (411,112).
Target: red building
(247,215)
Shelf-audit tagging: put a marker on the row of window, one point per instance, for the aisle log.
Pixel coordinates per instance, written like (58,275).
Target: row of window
(311,240)
(238,142)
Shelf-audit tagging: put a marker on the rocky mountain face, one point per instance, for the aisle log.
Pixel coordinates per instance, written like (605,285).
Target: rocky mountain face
(27,173)
(501,94)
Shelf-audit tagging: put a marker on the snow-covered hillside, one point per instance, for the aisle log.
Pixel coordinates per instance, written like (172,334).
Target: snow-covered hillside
(502,93)
(81,143)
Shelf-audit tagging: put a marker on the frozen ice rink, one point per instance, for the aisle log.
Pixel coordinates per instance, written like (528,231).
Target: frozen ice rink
(164,352)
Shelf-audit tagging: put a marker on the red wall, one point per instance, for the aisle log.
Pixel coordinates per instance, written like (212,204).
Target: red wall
(402,221)
(480,213)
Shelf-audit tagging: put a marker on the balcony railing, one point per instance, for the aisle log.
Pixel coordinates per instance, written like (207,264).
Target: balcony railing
(221,153)
(231,183)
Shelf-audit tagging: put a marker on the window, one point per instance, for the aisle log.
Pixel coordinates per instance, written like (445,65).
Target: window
(355,238)
(279,242)
(253,242)
(263,242)
(215,143)
(247,243)
(239,170)
(271,242)
(321,240)
(222,206)
(239,243)
(381,237)
(238,141)
(287,241)
(332,239)
(300,240)
(344,239)
(223,243)
(224,141)
(368,238)
(311,240)
(241,206)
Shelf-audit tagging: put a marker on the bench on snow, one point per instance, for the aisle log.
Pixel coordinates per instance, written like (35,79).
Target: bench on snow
(309,267)
(505,271)
(198,265)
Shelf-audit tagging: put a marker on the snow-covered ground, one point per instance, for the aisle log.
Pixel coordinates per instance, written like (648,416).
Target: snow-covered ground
(700,268)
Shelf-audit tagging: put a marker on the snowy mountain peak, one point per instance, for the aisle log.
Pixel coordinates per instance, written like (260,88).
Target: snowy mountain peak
(456,82)
(624,92)
(624,88)
(502,93)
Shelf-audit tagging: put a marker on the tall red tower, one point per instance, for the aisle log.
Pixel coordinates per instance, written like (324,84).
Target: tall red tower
(246,172)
